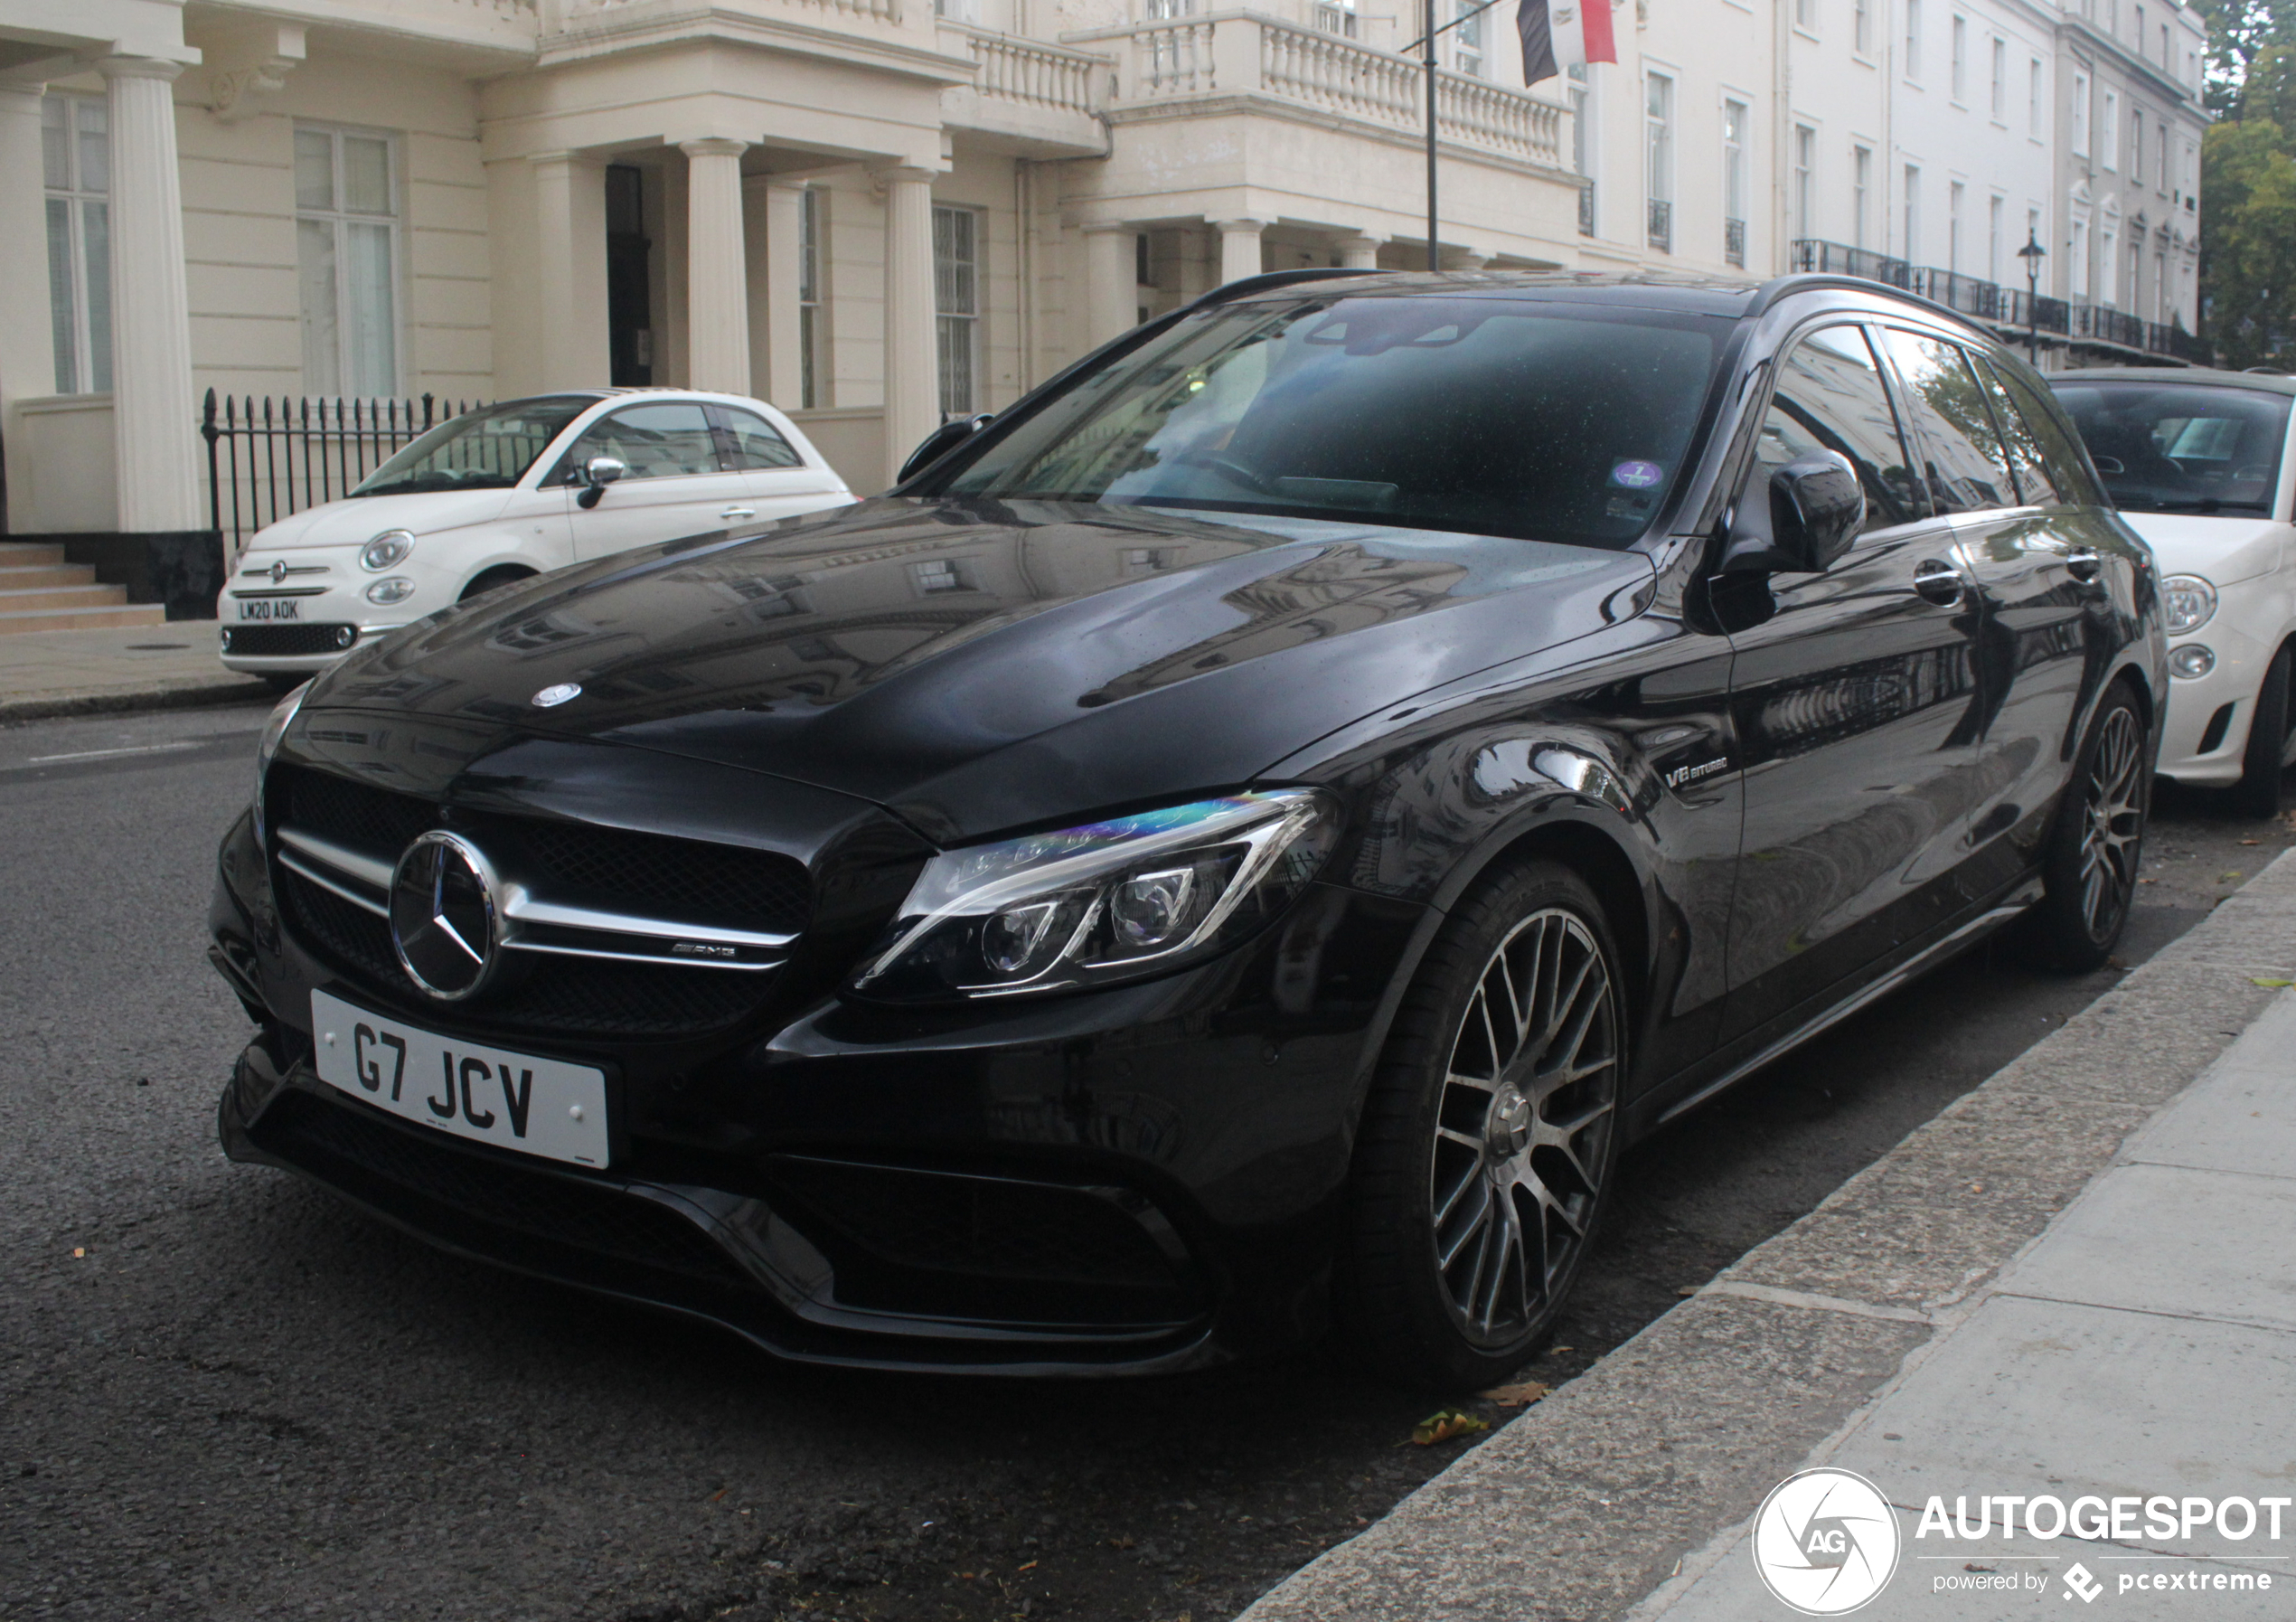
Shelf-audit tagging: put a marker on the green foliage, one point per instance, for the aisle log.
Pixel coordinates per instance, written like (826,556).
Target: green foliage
(2239,31)
(2248,242)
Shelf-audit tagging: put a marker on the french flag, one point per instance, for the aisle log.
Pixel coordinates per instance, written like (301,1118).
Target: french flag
(1563,34)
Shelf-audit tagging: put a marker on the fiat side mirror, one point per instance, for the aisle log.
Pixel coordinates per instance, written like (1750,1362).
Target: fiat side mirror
(597,474)
(939,443)
(1816,508)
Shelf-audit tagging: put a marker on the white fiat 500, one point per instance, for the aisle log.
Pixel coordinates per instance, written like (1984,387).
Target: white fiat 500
(2198,462)
(504,492)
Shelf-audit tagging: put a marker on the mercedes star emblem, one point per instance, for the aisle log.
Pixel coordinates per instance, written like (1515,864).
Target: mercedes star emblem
(445,922)
(557,693)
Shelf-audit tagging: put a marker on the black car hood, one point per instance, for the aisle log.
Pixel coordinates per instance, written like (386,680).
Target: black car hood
(977,666)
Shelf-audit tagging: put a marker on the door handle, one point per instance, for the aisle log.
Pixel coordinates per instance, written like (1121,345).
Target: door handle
(2083,564)
(738,512)
(1937,581)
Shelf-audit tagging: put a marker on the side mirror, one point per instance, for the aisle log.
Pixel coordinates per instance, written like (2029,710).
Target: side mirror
(939,443)
(597,474)
(1816,509)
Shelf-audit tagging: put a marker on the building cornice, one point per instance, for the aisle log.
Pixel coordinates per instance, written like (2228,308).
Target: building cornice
(620,31)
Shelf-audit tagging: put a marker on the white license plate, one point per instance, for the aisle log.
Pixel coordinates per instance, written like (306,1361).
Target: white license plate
(541,1106)
(269,607)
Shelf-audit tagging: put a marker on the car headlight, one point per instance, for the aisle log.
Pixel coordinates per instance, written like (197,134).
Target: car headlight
(1111,900)
(397,588)
(268,745)
(2187,602)
(385,550)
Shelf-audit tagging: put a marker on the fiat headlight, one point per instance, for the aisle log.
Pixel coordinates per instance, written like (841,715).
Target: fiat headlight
(2186,602)
(268,745)
(1111,900)
(386,550)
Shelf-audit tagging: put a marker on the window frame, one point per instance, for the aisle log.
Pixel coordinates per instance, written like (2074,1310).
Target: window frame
(967,321)
(812,376)
(73,306)
(1917,490)
(569,470)
(340,218)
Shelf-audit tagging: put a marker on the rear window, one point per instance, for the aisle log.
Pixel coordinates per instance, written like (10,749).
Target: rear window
(2180,448)
(1490,416)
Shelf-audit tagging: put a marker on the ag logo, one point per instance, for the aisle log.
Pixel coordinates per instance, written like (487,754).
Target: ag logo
(1825,1541)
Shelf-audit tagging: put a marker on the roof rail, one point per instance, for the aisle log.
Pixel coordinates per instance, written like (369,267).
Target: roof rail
(1803,282)
(1245,285)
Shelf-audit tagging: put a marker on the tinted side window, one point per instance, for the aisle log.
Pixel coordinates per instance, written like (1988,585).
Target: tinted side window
(1962,457)
(751,442)
(1829,397)
(2059,444)
(2035,488)
(654,441)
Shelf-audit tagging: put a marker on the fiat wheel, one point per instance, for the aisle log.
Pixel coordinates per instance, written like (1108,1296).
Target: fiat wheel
(1487,1143)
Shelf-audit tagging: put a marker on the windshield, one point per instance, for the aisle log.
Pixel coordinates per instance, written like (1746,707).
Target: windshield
(2181,448)
(1490,416)
(488,449)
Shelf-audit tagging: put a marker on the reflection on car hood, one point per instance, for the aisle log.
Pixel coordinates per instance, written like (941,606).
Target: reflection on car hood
(980,666)
(356,520)
(2224,548)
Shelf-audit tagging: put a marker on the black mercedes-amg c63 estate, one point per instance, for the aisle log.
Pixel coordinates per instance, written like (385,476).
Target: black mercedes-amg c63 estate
(1235,845)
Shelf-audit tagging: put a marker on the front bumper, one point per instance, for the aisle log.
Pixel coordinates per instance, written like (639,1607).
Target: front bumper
(294,664)
(2196,747)
(1138,1179)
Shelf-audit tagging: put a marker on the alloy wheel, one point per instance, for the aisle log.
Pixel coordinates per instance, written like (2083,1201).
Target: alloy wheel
(1521,1137)
(2113,824)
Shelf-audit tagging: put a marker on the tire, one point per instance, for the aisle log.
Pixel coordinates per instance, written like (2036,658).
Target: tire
(2089,865)
(1466,1146)
(2257,794)
(487,581)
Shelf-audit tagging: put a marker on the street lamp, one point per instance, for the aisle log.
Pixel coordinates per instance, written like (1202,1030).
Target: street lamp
(2032,253)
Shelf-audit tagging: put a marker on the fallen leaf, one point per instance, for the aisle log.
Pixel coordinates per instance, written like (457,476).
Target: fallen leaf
(2252,842)
(1559,1351)
(1444,1424)
(1687,1291)
(2147,880)
(2252,979)
(720,1492)
(78,1251)
(1521,1395)
(1124,1543)
(1030,1567)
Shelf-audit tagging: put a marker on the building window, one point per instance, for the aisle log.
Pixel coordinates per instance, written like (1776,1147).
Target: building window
(1466,54)
(2077,271)
(346,231)
(75,153)
(2108,269)
(2160,303)
(1953,196)
(1862,27)
(958,11)
(2136,145)
(2033,99)
(2136,267)
(1582,144)
(1961,61)
(1993,209)
(1658,135)
(956,304)
(1734,126)
(2080,115)
(1805,181)
(2164,60)
(1912,213)
(2001,81)
(1336,17)
(1806,15)
(1913,39)
(2109,131)
(810,391)
(1862,186)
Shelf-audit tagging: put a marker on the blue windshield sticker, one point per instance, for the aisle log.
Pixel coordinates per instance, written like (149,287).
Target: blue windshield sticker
(1637,475)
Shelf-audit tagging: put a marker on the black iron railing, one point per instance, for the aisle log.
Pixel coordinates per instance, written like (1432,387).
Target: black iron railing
(267,458)
(2009,308)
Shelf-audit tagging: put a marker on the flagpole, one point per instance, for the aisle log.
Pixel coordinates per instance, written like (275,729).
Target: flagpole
(1428,54)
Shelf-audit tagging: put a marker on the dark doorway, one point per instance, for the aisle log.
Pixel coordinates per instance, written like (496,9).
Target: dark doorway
(628,292)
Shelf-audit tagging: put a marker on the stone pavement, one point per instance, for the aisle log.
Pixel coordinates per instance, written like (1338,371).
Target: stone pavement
(136,668)
(2079,1281)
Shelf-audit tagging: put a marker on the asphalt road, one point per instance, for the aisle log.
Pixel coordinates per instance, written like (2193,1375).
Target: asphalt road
(223,1396)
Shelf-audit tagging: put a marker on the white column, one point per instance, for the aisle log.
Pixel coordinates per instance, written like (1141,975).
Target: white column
(1360,253)
(716,271)
(1111,282)
(27,346)
(783,205)
(912,367)
(569,262)
(1239,249)
(154,431)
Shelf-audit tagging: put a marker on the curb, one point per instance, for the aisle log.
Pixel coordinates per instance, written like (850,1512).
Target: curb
(1592,1499)
(179,695)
